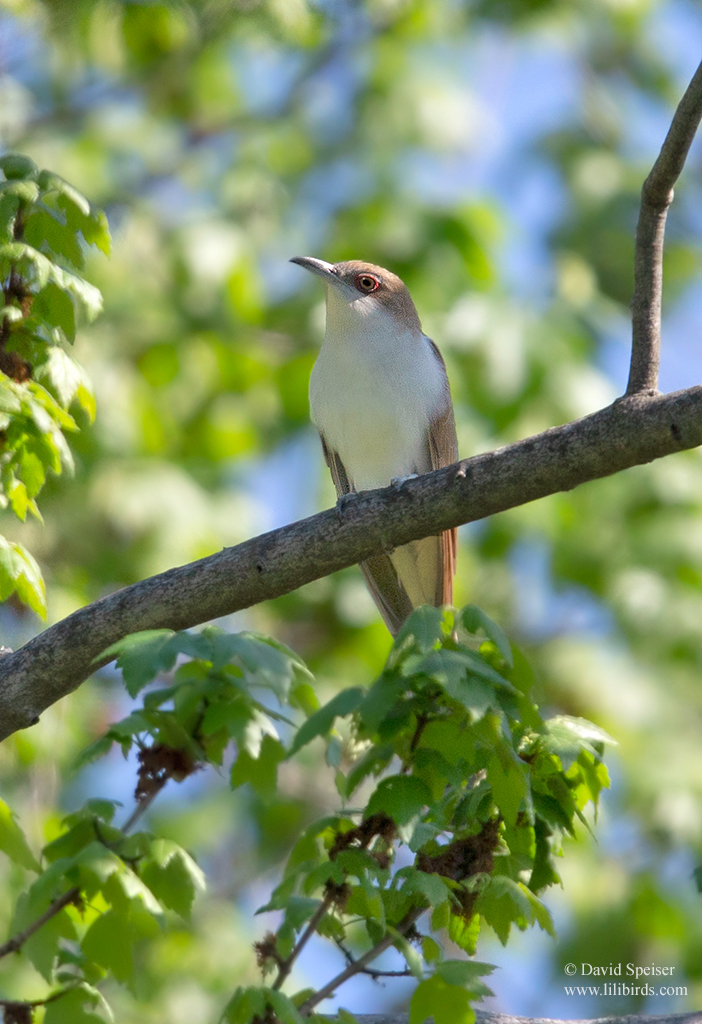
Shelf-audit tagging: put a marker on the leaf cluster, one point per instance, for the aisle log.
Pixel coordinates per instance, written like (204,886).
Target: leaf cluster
(451,761)
(45,224)
(214,699)
(118,890)
(468,777)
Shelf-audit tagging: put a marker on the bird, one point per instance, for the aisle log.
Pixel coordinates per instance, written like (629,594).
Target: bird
(381,401)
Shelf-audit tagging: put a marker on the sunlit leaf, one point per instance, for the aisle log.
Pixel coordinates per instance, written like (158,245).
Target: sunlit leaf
(13,842)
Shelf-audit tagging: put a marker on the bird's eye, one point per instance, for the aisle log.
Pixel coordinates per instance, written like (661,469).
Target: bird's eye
(366,283)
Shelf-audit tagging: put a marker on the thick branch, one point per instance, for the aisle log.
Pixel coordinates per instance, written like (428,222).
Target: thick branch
(656,197)
(633,430)
(484,1017)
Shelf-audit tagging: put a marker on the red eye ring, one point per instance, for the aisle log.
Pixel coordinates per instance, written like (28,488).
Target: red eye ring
(366,283)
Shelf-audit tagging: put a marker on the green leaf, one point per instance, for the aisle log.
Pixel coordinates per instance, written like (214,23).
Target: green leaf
(98,748)
(19,573)
(67,379)
(42,947)
(372,763)
(321,721)
(50,182)
(432,886)
(55,307)
(453,672)
(262,771)
(412,956)
(401,797)
(109,942)
(509,786)
(447,1004)
(76,1007)
(172,875)
(100,870)
(9,205)
(566,737)
(425,627)
(44,230)
(14,166)
(245,1004)
(345,1016)
(463,972)
(381,697)
(474,619)
(76,838)
(284,1008)
(12,841)
(504,902)
(87,296)
(365,901)
(142,656)
(28,262)
(464,932)
(80,215)
(264,661)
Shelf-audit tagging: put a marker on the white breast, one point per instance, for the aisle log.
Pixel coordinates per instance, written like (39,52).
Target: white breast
(373,391)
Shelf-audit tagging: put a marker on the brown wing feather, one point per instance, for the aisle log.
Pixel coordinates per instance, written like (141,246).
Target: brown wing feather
(379,572)
(443,446)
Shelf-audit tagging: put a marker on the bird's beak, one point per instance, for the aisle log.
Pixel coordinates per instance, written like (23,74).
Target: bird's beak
(319,267)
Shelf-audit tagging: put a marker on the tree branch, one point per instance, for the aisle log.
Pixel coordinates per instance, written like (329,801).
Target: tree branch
(485,1017)
(143,806)
(358,966)
(656,197)
(371,972)
(287,965)
(634,430)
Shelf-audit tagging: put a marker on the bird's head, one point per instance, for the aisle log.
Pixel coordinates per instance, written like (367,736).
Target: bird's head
(357,292)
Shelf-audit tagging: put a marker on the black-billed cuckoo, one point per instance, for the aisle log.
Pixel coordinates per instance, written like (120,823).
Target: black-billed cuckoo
(380,399)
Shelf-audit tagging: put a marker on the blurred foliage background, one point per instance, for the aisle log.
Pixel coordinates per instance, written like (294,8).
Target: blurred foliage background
(491,153)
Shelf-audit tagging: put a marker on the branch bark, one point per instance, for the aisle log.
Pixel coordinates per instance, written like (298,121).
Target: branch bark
(634,430)
(656,197)
(484,1017)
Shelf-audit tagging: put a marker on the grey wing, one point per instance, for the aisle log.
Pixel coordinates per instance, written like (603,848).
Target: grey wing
(379,572)
(336,468)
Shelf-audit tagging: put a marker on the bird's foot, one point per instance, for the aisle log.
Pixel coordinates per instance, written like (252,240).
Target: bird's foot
(399,481)
(342,501)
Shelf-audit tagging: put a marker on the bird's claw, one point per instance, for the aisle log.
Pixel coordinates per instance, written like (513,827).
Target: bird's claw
(342,501)
(399,481)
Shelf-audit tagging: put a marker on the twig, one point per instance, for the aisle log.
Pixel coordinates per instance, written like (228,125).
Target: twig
(15,943)
(371,971)
(39,1002)
(143,806)
(656,197)
(422,723)
(359,965)
(287,964)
